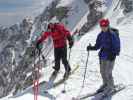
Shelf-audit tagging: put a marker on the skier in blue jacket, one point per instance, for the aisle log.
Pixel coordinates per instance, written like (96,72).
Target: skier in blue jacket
(109,44)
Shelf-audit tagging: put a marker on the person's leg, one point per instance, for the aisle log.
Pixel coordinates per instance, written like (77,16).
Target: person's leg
(64,59)
(103,64)
(102,72)
(109,69)
(57,56)
(109,77)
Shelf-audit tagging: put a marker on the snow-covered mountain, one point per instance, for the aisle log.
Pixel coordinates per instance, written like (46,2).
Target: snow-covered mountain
(15,41)
(78,15)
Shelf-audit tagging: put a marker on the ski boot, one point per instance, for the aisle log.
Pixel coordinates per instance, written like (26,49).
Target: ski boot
(67,73)
(55,72)
(101,89)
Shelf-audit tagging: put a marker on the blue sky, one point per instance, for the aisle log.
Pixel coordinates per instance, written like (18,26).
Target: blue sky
(109,2)
(11,5)
(13,11)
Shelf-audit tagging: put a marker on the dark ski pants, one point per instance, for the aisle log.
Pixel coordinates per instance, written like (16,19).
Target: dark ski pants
(61,54)
(106,67)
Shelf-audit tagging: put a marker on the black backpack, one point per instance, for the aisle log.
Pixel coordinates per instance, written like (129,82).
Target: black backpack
(114,30)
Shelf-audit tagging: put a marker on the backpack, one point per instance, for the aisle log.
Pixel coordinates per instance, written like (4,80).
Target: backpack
(116,31)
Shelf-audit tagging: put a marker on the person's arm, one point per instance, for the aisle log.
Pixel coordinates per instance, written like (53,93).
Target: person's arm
(42,38)
(69,37)
(96,46)
(116,44)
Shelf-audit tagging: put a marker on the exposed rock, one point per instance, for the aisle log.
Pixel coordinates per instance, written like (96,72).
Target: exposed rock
(128,6)
(93,16)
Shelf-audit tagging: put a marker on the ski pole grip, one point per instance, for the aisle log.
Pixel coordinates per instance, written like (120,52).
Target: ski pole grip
(89,44)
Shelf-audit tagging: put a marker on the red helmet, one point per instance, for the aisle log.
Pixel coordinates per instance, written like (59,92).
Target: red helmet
(104,22)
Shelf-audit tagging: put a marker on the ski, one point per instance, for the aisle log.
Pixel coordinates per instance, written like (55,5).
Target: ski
(50,83)
(62,80)
(101,95)
(118,88)
(84,96)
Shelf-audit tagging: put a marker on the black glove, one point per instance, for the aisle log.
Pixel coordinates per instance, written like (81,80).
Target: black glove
(70,44)
(111,57)
(89,47)
(37,45)
(70,39)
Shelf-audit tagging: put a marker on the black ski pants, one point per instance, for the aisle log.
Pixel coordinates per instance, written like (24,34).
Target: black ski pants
(61,54)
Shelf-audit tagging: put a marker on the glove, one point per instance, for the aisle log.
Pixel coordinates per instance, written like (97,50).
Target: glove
(38,46)
(111,57)
(70,44)
(89,47)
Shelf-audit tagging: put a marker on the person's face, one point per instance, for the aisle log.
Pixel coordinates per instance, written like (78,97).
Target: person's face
(104,28)
(49,30)
(50,27)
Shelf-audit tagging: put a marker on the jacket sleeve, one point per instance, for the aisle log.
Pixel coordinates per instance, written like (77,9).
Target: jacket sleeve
(115,44)
(43,37)
(68,35)
(97,44)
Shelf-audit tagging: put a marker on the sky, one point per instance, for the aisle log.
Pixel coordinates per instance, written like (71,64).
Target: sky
(108,2)
(13,11)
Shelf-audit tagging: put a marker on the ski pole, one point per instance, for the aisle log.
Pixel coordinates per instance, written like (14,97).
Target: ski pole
(85,70)
(69,54)
(84,75)
(36,77)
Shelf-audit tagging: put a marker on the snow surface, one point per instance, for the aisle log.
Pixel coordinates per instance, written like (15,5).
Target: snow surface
(122,72)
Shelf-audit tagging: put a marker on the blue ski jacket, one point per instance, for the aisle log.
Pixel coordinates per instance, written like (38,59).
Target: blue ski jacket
(108,43)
